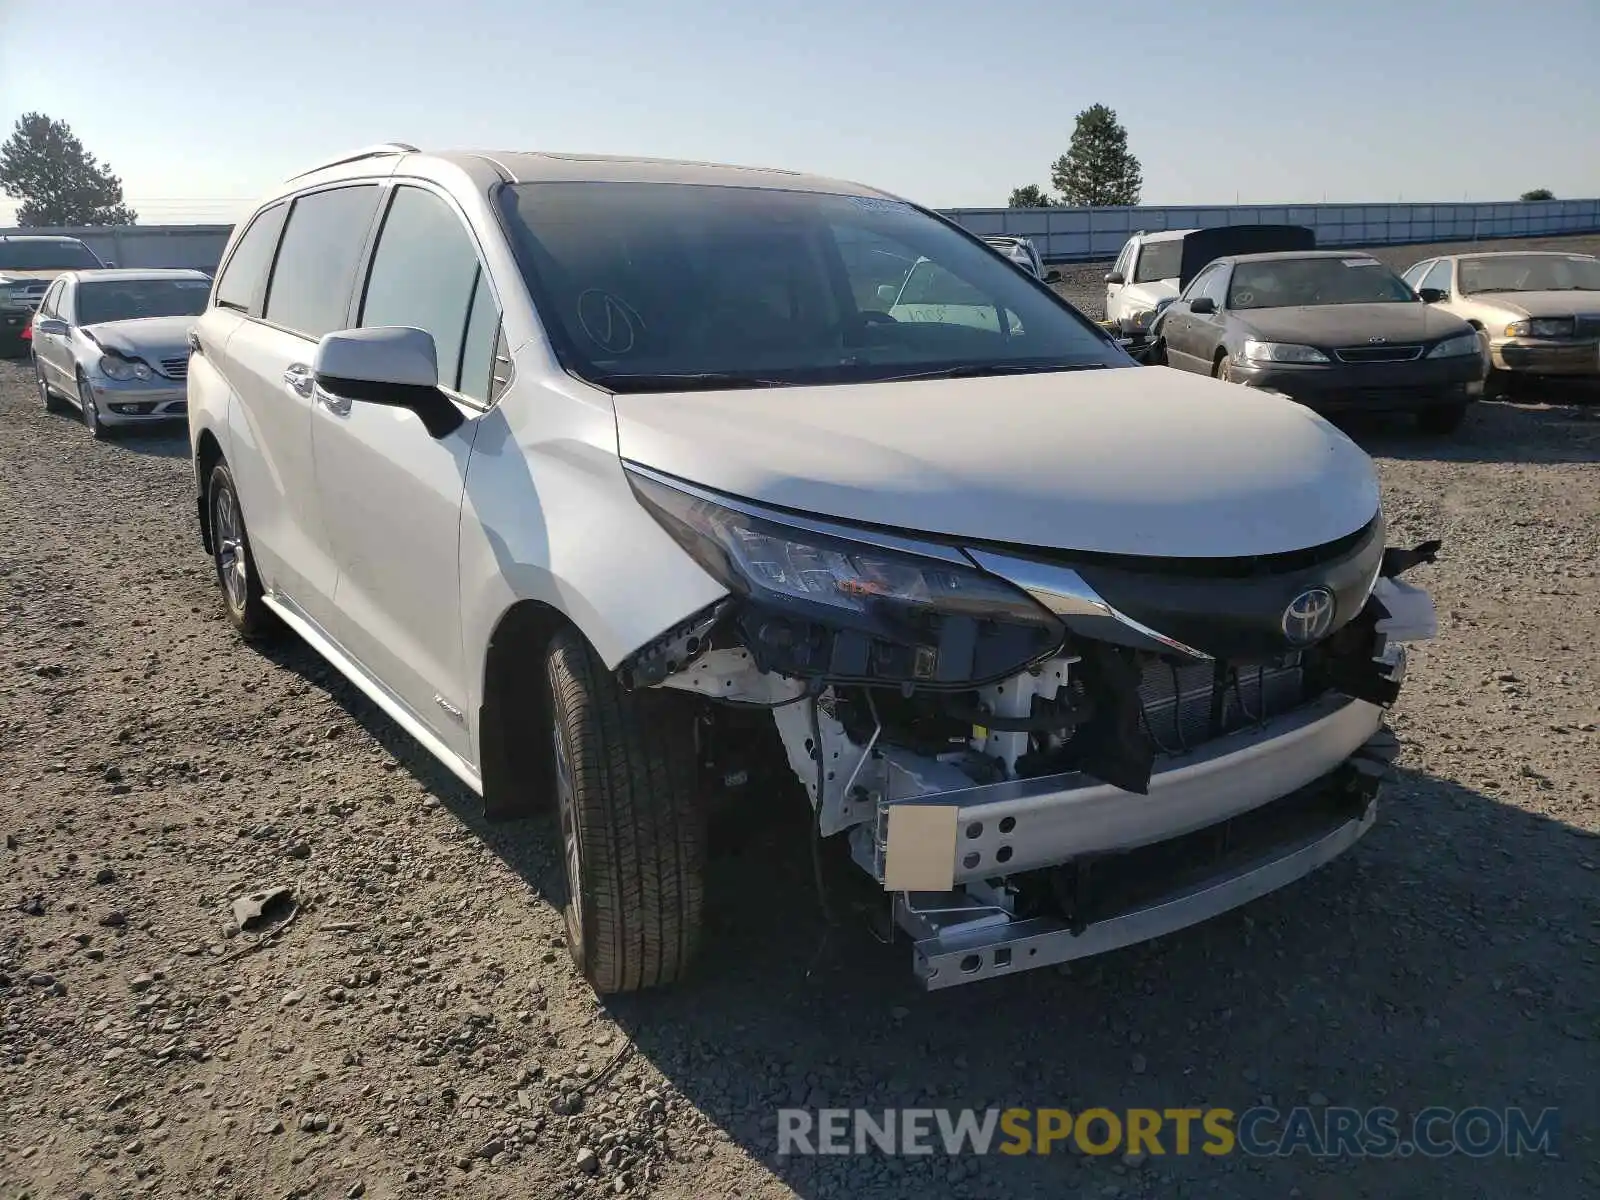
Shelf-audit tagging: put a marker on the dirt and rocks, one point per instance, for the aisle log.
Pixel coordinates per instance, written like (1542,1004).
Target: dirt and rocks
(406,1022)
(1084,283)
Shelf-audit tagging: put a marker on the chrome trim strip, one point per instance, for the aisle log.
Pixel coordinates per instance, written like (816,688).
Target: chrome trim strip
(1067,594)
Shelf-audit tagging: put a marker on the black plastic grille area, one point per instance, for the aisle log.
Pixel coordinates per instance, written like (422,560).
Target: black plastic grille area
(1180,702)
(1372,354)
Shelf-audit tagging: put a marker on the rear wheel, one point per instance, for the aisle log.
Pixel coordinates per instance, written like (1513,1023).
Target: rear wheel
(632,825)
(46,396)
(1441,418)
(236,565)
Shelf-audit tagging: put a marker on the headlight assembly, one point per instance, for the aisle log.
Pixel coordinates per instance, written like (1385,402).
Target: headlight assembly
(1282,352)
(1456,347)
(817,604)
(123,369)
(1542,327)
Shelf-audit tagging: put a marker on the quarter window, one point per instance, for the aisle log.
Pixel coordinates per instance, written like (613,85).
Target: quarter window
(1413,274)
(1439,277)
(50,305)
(311,282)
(245,276)
(426,275)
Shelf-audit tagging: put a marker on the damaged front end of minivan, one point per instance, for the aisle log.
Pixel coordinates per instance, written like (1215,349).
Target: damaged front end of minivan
(1040,755)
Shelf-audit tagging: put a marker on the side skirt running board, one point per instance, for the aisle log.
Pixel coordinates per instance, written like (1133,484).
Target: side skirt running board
(391,705)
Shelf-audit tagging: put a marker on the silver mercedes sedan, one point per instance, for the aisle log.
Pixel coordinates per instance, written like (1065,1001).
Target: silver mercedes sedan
(115,343)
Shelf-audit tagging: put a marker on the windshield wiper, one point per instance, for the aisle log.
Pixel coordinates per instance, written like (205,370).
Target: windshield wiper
(694,381)
(977,370)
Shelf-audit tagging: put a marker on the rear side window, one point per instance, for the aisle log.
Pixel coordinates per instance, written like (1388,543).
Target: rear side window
(245,277)
(426,275)
(316,267)
(1439,276)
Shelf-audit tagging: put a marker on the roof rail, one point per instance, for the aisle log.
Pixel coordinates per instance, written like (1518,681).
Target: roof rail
(382,148)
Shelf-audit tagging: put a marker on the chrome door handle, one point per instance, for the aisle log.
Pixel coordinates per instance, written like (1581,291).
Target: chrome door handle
(300,381)
(339,406)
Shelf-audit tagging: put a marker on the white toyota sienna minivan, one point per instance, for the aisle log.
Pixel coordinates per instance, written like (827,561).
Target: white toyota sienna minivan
(600,475)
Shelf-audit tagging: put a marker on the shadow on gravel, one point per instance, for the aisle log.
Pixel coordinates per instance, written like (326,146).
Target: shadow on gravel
(1424,968)
(1437,964)
(168,442)
(1495,431)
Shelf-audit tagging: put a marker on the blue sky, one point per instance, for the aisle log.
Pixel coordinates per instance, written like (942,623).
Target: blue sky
(200,106)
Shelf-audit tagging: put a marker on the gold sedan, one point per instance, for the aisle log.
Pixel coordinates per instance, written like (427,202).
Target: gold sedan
(1538,312)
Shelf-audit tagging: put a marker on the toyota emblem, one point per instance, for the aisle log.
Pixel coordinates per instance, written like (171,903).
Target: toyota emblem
(1309,616)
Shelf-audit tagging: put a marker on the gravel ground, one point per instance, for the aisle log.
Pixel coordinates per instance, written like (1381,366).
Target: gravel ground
(415,1028)
(1084,283)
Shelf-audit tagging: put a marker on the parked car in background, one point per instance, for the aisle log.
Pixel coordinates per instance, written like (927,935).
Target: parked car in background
(1020,251)
(28,262)
(1538,311)
(1153,268)
(1143,280)
(1332,329)
(116,343)
(1004,603)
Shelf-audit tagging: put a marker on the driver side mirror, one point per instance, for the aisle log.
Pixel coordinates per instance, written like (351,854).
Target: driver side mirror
(390,365)
(1433,295)
(1202,305)
(51,327)
(110,266)
(1052,276)
(1114,277)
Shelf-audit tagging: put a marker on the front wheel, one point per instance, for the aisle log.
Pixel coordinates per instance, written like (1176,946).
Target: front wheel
(1441,418)
(91,414)
(236,565)
(1223,370)
(632,826)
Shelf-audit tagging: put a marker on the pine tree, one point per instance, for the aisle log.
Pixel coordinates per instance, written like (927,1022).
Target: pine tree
(46,167)
(1031,196)
(1098,169)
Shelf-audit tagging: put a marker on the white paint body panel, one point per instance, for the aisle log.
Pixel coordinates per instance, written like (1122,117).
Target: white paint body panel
(1143,460)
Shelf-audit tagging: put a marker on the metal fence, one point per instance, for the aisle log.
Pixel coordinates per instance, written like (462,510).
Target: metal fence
(1060,234)
(197,246)
(1092,234)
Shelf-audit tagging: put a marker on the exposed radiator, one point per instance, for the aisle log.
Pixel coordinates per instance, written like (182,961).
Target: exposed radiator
(1178,700)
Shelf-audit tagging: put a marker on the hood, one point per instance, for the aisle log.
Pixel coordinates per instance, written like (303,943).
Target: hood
(12,275)
(1136,460)
(1538,304)
(1152,292)
(149,338)
(1351,324)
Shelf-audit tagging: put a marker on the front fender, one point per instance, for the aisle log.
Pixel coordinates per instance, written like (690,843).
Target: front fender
(548,516)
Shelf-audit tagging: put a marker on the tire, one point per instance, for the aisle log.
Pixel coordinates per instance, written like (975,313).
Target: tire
(46,396)
(1441,418)
(235,563)
(91,414)
(1222,370)
(633,830)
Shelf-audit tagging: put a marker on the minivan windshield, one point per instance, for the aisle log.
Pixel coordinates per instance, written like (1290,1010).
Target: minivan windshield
(668,286)
(46,254)
(129,299)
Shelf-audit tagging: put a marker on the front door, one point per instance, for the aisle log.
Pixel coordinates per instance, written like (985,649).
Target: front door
(390,495)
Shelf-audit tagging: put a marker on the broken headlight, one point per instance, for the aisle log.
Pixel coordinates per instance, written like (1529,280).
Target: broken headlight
(816,603)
